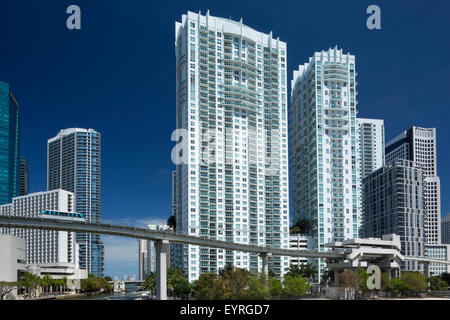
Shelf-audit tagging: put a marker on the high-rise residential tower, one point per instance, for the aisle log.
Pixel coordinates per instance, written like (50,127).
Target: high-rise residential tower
(43,246)
(73,164)
(419,145)
(371,145)
(394,202)
(23,176)
(325,180)
(232,184)
(9,145)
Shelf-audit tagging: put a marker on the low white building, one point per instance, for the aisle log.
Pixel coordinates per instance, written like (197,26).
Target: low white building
(60,270)
(439,252)
(12,260)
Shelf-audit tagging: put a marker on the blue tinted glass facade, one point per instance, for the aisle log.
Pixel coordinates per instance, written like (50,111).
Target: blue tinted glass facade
(9,145)
(74,164)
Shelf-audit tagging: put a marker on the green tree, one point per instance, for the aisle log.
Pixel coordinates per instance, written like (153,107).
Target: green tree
(236,282)
(208,287)
(178,283)
(305,270)
(294,270)
(294,229)
(399,286)
(150,282)
(363,276)
(6,288)
(437,284)
(46,283)
(446,278)
(274,287)
(258,288)
(328,277)
(30,282)
(385,281)
(414,280)
(108,278)
(302,226)
(308,271)
(94,284)
(228,268)
(294,286)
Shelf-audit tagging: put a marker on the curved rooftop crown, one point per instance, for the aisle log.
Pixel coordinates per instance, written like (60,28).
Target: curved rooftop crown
(229,26)
(332,54)
(65,132)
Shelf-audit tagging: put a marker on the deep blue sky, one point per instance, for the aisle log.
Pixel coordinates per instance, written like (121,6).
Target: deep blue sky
(117,75)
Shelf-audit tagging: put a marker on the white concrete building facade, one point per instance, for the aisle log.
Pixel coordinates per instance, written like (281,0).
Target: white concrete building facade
(325,176)
(371,145)
(299,241)
(232,106)
(12,259)
(43,246)
(440,252)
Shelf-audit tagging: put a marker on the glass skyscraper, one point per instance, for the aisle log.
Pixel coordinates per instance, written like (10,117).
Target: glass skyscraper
(232,105)
(74,164)
(9,145)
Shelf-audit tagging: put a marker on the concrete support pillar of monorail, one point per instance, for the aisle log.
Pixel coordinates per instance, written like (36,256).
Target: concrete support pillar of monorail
(265,263)
(162,250)
(426,270)
(336,277)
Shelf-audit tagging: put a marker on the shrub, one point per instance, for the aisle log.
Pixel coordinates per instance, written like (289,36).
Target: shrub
(294,286)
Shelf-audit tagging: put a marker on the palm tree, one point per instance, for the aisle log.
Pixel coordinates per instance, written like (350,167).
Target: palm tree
(46,283)
(308,271)
(294,271)
(64,282)
(328,276)
(30,282)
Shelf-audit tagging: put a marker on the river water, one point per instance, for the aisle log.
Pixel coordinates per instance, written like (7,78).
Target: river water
(130,293)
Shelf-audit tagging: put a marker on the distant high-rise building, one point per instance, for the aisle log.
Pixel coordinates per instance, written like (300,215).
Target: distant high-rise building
(325,177)
(419,145)
(9,145)
(23,176)
(143,262)
(232,105)
(393,202)
(299,241)
(74,164)
(445,228)
(147,253)
(43,246)
(371,145)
